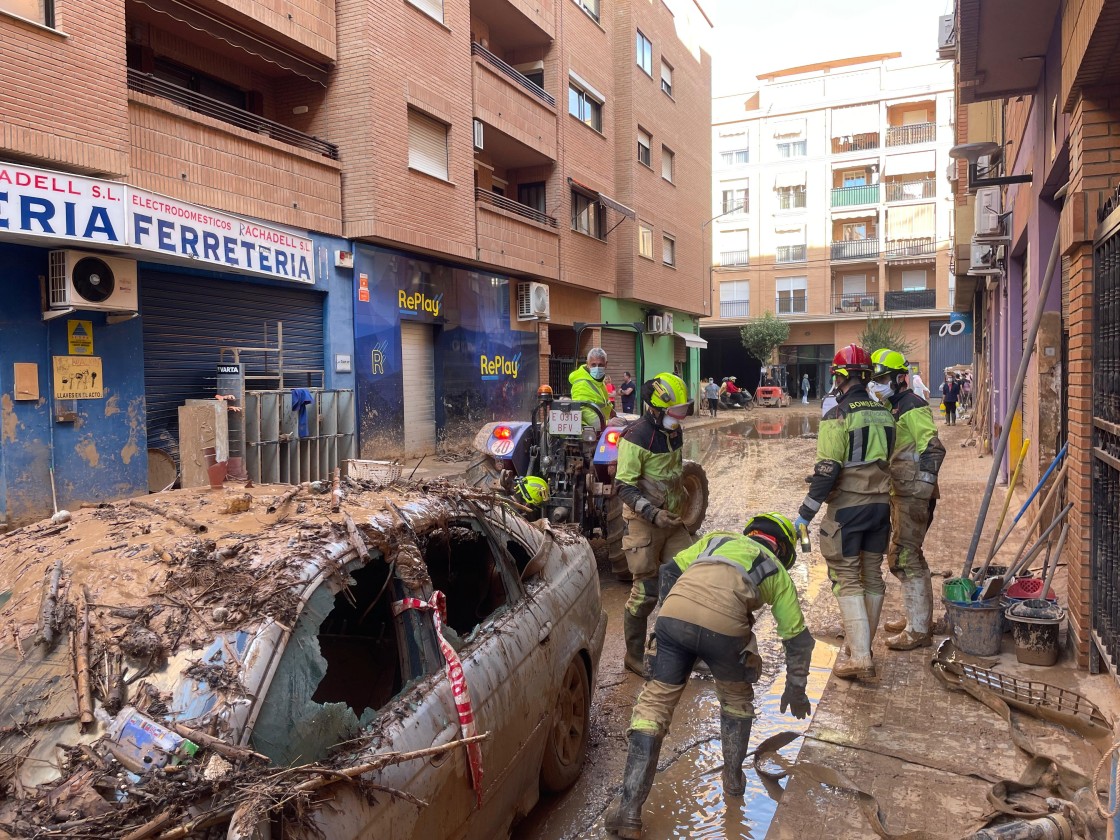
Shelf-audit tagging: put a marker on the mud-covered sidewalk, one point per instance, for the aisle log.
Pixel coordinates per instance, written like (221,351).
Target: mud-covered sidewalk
(928,755)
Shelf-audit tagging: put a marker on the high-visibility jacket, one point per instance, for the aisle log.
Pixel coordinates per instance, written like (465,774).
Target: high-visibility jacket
(586,388)
(650,466)
(918,452)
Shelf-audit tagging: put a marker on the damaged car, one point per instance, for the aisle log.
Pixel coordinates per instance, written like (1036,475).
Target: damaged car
(378,662)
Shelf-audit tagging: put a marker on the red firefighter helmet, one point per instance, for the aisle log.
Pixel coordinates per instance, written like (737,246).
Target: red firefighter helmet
(851,361)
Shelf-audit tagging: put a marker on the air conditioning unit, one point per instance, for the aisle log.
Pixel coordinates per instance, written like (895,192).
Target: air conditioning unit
(532,302)
(984,260)
(988,210)
(81,280)
(947,37)
(660,324)
(478,135)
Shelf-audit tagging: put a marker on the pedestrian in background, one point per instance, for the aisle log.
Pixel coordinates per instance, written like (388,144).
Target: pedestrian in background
(805,389)
(917,385)
(711,394)
(626,391)
(610,390)
(950,394)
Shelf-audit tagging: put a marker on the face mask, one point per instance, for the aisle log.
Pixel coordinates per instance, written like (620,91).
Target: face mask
(880,390)
(597,372)
(670,422)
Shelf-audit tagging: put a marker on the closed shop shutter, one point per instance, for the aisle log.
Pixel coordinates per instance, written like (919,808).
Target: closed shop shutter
(621,353)
(418,364)
(680,356)
(1065,292)
(945,351)
(188,319)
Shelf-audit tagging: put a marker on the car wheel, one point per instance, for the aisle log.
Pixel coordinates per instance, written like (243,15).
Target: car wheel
(695,482)
(571,726)
(614,531)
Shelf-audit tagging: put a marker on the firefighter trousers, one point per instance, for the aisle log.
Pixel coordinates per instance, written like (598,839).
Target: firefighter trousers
(647,547)
(910,520)
(855,532)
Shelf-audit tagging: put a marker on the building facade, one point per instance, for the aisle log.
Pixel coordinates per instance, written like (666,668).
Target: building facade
(403,208)
(830,207)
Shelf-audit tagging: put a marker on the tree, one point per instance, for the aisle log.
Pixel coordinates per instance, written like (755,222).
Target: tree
(883,331)
(762,335)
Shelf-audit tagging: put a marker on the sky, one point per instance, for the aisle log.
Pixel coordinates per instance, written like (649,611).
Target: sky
(757,36)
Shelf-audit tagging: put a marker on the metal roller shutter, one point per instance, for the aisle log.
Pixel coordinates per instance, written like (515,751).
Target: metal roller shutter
(418,366)
(187,320)
(621,352)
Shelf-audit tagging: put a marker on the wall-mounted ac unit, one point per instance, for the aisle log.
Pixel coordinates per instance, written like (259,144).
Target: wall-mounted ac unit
(81,280)
(532,302)
(988,210)
(478,135)
(984,260)
(947,37)
(660,324)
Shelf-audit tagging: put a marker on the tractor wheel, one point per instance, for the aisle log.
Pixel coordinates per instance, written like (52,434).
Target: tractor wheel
(613,531)
(695,482)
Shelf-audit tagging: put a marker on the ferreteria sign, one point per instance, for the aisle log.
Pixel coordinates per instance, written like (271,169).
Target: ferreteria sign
(55,208)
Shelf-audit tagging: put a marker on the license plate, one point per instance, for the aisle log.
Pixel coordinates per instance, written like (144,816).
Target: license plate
(564,423)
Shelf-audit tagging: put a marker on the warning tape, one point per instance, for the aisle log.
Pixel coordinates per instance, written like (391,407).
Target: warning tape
(437,605)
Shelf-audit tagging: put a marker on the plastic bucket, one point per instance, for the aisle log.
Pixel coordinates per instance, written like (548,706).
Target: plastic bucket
(1036,631)
(976,627)
(959,590)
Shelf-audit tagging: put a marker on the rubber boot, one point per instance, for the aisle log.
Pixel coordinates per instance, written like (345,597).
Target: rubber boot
(625,818)
(634,631)
(874,604)
(857,632)
(735,735)
(895,625)
(917,595)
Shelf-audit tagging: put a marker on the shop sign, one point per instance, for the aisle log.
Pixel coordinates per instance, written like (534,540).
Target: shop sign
(499,367)
(170,227)
(53,205)
(79,338)
(416,303)
(78,378)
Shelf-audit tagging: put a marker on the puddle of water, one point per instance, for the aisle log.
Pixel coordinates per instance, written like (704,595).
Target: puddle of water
(706,443)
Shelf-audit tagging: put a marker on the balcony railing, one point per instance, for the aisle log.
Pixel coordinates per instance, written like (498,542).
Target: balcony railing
(789,254)
(910,190)
(513,75)
(511,206)
(853,302)
(856,249)
(791,304)
(855,143)
(922,246)
(914,299)
(908,135)
(847,196)
(727,258)
(149,84)
(734,309)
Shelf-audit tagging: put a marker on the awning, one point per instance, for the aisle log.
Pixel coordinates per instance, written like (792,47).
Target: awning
(911,163)
(857,119)
(606,201)
(692,340)
(854,214)
(789,128)
(240,38)
(913,222)
(793,178)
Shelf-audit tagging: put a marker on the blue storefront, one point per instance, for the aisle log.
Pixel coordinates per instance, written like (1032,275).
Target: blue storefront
(437,353)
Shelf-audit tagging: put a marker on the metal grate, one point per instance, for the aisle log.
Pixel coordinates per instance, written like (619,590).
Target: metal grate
(511,206)
(558,371)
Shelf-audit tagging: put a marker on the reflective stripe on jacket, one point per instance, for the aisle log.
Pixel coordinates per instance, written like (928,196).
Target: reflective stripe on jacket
(918,452)
(650,465)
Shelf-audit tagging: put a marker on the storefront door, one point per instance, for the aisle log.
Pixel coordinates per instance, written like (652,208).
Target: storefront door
(419,372)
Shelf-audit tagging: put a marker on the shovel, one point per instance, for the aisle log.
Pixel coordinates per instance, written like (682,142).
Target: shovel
(1006,504)
(1041,482)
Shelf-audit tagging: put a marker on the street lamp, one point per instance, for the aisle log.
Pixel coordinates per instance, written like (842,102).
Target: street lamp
(740,206)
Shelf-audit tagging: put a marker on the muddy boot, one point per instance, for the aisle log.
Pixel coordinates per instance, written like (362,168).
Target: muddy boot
(917,595)
(735,734)
(874,604)
(895,625)
(625,818)
(857,631)
(634,631)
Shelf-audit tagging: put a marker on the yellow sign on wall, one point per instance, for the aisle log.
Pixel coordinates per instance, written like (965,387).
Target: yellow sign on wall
(78,378)
(79,336)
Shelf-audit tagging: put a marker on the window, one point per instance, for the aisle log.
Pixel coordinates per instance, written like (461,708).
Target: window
(789,244)
(432,8)
(645,54)
(791,295)
(736,202)
(587,215)
(589,6)
(793,148)
(736,157)
(667,159)
(644,142)
(791,198)
(914,281)
(645,240)
(855,284)
(855,231)
(585,107)
(668,250)
(666,77)
(735,299)
(855,179)
(532,195)
(41,11)
(734,247)
(190,79)
(427,145)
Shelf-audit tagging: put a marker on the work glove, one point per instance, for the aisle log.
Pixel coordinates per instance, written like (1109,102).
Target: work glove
(664,519)
(799,653)
(796,700)
(798,522)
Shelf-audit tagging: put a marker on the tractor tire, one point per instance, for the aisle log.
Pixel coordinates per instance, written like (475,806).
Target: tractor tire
(482,474)
(613,532)
(695,482)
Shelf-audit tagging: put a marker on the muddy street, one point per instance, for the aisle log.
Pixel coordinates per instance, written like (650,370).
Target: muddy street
(755,463)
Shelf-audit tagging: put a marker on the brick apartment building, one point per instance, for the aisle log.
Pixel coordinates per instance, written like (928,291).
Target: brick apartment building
(1049,111)
(353,197)
(829,208)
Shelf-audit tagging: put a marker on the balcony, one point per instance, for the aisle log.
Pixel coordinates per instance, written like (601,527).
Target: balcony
(508,101)
(515,236)
(734,309)
(918,247)
(909,135)
(856,249)
(789,254)
(153,86)
(851,303)
(913,299)
(734,258)
(850,196)
(792,304)
(855,143)
(911,190)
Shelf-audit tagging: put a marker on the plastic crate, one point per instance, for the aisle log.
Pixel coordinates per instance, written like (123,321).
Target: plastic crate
(380,472)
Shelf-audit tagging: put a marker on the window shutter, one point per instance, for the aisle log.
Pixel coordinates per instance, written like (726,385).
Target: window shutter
(666,164)
(432,7)
(427,145)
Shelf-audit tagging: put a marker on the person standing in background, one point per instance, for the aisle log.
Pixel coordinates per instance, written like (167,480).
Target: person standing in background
(917,385)
(950,394)
(804,389)
(626,391)
(711,394)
